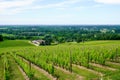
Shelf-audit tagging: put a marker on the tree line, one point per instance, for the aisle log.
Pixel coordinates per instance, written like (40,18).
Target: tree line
(61,33)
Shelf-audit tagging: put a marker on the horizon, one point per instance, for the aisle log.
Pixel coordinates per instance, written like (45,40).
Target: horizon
(59,24)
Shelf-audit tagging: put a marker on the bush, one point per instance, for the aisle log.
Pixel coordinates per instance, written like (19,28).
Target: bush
(1,38)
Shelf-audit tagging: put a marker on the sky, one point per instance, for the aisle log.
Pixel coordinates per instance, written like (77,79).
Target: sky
(59,12)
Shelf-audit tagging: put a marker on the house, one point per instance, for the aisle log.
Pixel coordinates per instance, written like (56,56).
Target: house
(38,42)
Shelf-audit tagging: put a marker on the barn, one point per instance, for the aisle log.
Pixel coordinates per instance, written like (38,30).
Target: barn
(38,42)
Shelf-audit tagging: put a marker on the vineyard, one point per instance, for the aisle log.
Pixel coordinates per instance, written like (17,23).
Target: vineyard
(94,60)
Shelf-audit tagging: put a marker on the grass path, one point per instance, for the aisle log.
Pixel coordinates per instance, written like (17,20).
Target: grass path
(84,72)
(40,70)
(1,68)
(113,63)
(90,70)
(16,72)
(44,72)
(105,67)
(78,77)
(23,73)
(61,73)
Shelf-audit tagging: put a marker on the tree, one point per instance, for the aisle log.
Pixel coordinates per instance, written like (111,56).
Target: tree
(48,40)
(1,38)
(79,39)
(42,43)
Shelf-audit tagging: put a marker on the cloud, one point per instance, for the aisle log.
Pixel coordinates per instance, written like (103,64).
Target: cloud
(14,6)
(15,3)
(108,1)
(17,6)
(63,4)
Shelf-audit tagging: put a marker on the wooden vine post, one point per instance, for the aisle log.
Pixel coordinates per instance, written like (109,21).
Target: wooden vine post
(70,61)
(88,57)
(116,55)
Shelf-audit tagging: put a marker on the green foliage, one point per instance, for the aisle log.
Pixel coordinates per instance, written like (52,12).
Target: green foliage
(15,43)
(63,55)
(48,40)
(59,55)
(6,68)
(61,33)
(7,75)
(1,38)
(115,76)
(24,66)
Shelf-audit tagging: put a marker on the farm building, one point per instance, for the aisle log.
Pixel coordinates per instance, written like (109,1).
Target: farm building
(39,42)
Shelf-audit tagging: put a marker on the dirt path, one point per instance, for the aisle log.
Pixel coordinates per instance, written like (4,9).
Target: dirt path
(44,72)
(1,68)
(78,76)
(62,69)
(41,70)
(24,74)
(101,66)
(32,43)
(113,63)
(95,72)
(50,76)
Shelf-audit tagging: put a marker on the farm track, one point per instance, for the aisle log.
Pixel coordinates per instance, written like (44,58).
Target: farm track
(21,70)
(15,70)
(114,63)
(32,43)
(101,66)
(93,71)
(44,72)
(24,74)
(1,69)
(39,69)
(78,77)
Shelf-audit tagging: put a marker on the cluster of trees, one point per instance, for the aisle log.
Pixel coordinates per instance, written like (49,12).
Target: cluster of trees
(61,33)
(1,38)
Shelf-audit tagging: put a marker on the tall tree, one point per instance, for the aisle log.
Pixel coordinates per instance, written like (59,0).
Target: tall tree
(1,38)
(48,40)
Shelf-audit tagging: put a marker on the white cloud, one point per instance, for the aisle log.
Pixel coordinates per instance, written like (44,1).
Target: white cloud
(15,3)
(108,1)
(17,6)
(63,4)
(14,6)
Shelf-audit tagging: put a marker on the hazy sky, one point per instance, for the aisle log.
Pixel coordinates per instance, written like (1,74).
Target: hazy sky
(59,11)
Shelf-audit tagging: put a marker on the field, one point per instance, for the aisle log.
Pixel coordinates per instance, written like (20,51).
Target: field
(93,60)
(15,43)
